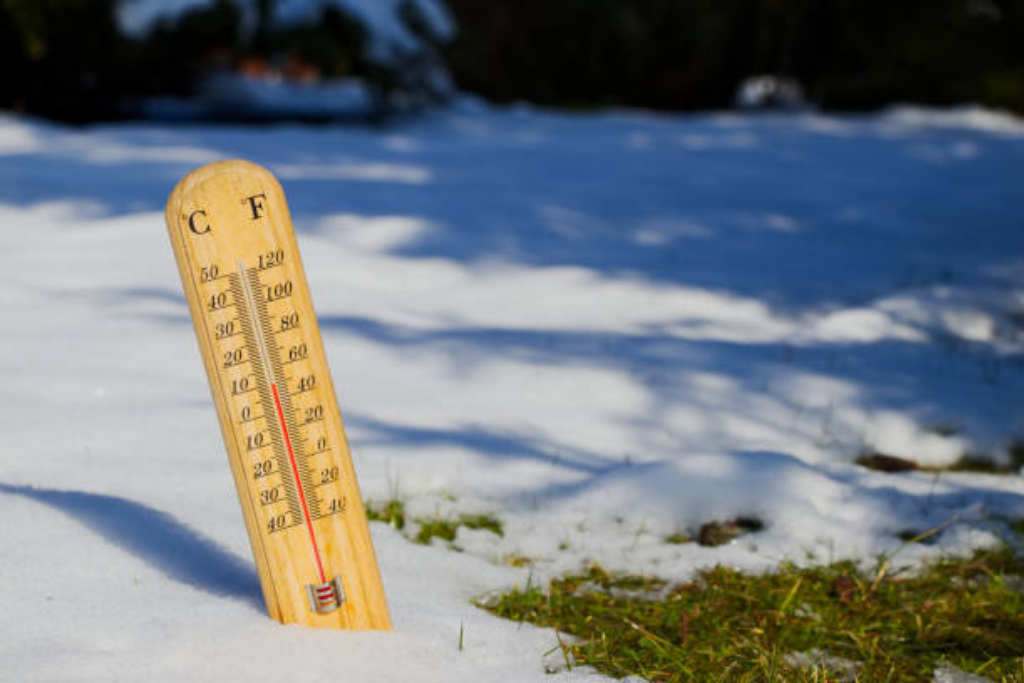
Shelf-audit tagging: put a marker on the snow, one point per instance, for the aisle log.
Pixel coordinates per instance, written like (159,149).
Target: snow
(137,17)
(275,99)
(382,17)
(603,329)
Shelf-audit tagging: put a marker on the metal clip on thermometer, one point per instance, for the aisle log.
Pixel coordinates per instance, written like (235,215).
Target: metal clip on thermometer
(260,342)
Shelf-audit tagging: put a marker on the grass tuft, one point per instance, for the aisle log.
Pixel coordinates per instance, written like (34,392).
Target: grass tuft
(445,529)
(438,527)
(514,560)
(822,623)
(391,511)
(488,522)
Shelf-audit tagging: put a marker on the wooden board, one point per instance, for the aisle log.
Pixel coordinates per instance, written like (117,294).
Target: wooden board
(258,334)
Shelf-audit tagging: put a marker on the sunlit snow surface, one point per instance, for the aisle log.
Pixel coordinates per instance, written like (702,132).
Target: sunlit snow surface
(603,329)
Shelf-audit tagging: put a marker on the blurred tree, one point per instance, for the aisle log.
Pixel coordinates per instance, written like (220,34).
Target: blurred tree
(264,23)
(336,43)
(171,58)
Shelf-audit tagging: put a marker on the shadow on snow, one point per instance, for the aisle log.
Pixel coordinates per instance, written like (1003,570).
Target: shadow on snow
(169,546)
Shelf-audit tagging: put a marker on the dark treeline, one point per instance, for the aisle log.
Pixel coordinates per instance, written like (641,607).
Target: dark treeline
(67,59)
(56,56)
(691,54)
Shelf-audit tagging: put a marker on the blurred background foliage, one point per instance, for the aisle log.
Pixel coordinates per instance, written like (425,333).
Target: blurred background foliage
(66,58)
(60,57)
(691,54)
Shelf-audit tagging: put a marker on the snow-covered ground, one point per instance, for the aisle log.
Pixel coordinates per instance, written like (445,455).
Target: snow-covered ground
(602,329)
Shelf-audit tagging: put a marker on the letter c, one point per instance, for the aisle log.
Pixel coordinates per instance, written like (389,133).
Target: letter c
(199,230)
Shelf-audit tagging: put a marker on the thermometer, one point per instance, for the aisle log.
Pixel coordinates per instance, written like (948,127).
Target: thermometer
(260,342)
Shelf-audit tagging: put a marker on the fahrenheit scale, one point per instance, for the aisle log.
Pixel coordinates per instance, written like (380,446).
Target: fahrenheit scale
(258,334)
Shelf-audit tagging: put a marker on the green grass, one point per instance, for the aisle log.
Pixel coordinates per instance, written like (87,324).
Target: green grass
(391,511)
(446,528)
(516,560)
(488,522)
(730,626)
(428,528)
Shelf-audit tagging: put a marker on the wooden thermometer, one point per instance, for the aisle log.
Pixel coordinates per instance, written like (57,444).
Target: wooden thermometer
(264,358)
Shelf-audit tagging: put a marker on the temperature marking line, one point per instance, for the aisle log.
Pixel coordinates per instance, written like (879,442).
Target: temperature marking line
(250,300)
(248,325)
(295,469)
(247,288)
(274,358)
(289,413)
